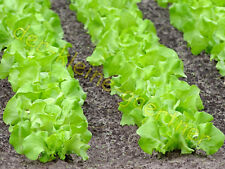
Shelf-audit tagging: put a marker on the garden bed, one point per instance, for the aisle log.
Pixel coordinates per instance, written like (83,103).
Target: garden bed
(114,146)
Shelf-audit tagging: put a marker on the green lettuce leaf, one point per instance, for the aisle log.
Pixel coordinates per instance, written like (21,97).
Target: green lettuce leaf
(45,115)
(146,74)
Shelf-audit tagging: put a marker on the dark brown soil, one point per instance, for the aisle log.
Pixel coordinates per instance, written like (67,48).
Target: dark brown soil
(114,146)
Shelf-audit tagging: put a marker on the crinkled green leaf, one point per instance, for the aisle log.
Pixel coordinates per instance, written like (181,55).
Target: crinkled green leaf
(146,73)
(202,22)
(34,144)
(45,115)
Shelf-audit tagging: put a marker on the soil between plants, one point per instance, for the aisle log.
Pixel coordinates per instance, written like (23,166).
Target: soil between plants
(114,146)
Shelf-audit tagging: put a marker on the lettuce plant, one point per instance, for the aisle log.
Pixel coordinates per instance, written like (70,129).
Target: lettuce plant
(45,115)
(202,22)
(146,71)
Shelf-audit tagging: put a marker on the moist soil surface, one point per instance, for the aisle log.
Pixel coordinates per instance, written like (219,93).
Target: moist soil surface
(114,146)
